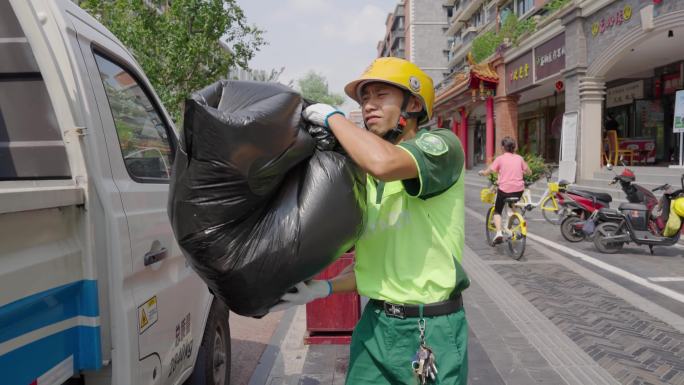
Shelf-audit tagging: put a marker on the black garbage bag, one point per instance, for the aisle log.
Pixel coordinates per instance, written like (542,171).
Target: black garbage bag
(255,207)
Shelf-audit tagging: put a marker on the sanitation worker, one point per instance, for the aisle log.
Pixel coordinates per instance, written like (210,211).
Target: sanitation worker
(408,260)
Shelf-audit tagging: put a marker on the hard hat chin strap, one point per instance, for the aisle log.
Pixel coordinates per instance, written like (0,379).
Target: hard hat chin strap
(393,135)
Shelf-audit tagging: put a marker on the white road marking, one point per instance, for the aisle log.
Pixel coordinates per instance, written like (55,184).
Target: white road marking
(666,279)
(600,264)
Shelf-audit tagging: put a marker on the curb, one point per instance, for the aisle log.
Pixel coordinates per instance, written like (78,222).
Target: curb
(268,357)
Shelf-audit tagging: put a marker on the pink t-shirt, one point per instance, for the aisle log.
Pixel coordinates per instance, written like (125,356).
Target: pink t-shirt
(511,168)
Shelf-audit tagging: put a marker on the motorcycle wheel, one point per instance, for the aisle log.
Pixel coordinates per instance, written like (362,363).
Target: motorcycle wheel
(604,230)
(569,232)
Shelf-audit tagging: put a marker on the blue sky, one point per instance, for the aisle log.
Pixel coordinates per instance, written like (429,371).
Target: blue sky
(337,38)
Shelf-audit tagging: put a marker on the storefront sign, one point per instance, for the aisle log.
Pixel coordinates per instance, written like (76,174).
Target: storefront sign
(550,58)
(611,21)
(679,112)
(624,94)
(519,73)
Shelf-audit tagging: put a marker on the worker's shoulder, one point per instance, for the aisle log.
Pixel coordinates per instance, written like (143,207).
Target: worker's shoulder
(440,138)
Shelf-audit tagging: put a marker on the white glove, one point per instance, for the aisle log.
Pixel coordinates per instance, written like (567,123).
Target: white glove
(319,113)
(306,292)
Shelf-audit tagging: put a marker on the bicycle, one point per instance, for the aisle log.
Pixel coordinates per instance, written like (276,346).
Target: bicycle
(513,216)
(550,202)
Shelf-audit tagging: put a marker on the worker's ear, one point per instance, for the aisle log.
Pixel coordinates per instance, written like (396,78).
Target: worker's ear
(414,105)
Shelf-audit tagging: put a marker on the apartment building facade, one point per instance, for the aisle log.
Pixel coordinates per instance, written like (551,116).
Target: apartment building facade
(415,31)
(584,61)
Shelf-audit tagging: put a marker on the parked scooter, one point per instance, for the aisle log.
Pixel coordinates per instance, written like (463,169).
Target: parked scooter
(640,223)
(580,207)
(580,225)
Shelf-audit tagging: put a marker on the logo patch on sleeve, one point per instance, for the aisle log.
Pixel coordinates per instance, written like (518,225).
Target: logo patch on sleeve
(432,144)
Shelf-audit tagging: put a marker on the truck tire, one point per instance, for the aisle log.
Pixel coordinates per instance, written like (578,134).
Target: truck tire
(213,358)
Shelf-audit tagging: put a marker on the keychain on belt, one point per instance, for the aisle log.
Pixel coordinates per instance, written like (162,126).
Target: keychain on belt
(423,363)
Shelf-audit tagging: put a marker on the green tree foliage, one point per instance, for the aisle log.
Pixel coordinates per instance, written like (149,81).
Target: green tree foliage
(555,5)
(485,45)
(177,43)
(536,164)
(511,29)
(314,86)
(271,76)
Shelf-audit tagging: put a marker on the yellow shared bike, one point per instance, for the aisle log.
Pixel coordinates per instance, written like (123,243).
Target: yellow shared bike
(513,224)
(550,202)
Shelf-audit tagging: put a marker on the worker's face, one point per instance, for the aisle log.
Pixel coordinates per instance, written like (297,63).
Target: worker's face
(381,107)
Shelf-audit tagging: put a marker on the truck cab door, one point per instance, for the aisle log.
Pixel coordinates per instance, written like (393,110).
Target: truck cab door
(171,300)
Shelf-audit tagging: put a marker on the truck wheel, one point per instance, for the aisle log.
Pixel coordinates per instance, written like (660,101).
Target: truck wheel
(213,358)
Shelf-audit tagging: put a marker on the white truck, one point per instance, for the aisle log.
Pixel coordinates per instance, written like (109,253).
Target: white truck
(93,286)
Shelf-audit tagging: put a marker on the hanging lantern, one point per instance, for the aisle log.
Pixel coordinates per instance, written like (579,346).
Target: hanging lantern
(560,86)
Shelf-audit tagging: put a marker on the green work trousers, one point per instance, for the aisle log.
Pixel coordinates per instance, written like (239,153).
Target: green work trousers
(383,347)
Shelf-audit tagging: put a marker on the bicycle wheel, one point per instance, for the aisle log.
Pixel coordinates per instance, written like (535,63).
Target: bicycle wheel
(551,211)
(515,244)
(490,229)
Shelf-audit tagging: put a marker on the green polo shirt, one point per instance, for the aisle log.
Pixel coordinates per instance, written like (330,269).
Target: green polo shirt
(411,248)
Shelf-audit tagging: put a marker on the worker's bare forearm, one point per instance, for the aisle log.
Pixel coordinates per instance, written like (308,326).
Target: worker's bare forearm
(345,282)
(376,156)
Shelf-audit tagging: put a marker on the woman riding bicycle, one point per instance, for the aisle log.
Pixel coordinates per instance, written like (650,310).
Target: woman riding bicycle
(511,168)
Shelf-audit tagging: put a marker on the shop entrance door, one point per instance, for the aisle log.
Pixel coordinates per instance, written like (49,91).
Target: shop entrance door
(529,136)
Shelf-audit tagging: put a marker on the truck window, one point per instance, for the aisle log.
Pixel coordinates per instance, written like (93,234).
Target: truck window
(143,135)
(31,145)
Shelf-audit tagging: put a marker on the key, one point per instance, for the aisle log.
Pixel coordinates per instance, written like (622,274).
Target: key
(430,368)
(419,364)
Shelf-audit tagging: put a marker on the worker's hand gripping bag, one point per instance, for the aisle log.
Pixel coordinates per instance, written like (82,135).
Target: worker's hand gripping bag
(255,207)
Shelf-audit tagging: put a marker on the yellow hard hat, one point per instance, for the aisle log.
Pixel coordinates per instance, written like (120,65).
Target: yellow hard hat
(678,206)
(401,73)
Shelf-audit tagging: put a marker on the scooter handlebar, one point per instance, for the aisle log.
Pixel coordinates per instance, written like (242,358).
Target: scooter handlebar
(662,187)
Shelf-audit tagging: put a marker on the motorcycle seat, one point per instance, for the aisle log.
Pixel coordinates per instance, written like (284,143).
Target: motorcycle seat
(633,206)
(604,197)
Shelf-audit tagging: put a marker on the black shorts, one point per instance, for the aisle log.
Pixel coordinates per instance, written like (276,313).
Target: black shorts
(501,199)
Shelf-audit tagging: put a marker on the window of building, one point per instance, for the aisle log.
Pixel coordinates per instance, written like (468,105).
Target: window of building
(477,18)
(143,135)
(524,6)
(399,22)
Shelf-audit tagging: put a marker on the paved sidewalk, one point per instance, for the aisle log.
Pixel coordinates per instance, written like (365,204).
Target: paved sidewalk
(543,320)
